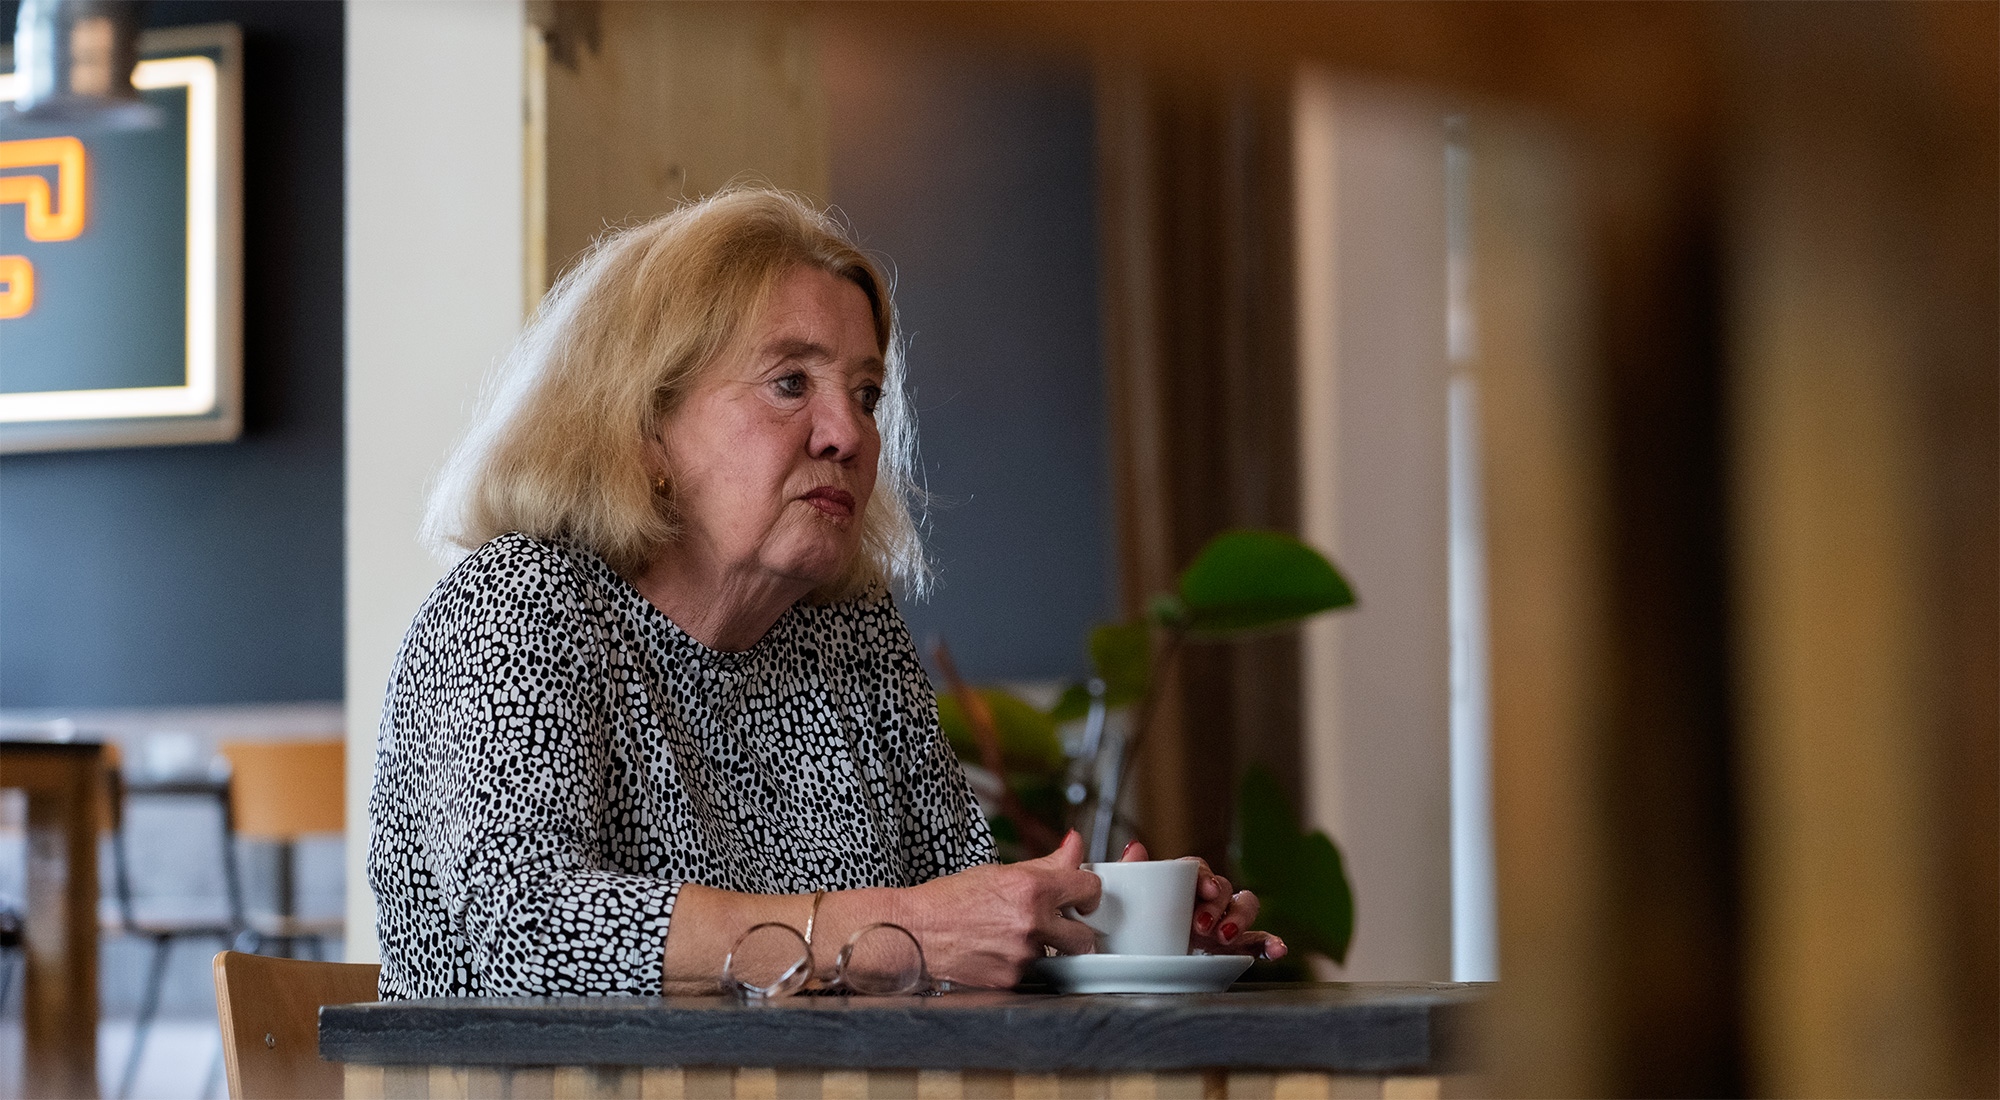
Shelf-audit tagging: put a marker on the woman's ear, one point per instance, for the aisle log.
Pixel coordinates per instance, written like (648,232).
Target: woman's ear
(653,449)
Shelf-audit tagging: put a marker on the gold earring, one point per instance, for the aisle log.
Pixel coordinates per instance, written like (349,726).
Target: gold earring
(660,484)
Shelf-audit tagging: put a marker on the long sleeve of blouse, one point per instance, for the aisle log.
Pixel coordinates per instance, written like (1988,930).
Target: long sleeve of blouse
(557,758)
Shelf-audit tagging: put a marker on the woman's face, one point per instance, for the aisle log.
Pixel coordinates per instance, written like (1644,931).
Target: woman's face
(774,451)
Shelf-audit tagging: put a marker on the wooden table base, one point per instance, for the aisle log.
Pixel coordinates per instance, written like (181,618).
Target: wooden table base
(722,1082)
(59,994)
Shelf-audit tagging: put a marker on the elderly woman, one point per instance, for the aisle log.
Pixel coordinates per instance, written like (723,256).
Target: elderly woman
(668,696)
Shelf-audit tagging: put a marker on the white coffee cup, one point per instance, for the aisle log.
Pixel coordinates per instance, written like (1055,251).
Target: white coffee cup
(1147,907)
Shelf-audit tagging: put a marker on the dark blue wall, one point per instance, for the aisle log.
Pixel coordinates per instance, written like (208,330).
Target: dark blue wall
(974,173)
(210,574)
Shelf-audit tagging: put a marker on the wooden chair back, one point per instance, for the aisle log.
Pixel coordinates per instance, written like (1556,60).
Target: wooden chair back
(270,1022)
(282,790)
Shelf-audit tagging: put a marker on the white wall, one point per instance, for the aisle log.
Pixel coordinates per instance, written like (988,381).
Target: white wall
(434,291)
(1374,478)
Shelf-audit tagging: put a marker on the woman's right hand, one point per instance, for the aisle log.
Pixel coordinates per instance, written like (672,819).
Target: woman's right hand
(983,926)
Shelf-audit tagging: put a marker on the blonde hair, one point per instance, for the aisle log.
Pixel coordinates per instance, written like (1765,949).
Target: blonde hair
(559,448)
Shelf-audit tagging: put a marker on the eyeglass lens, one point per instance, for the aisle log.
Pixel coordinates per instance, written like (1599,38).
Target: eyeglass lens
(882,960)
(770,960)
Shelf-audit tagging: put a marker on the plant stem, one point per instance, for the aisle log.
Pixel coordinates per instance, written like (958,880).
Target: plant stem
(1035,836)
(1142,716)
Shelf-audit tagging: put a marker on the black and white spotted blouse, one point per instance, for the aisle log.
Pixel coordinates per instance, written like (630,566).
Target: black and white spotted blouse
(557,758)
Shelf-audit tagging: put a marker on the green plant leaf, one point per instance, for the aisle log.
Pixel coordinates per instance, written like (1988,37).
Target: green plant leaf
(1245,581)
(1315,910)
(1028,740)
(1041,795)
(1074,704)
(1299,877)
(1123,656)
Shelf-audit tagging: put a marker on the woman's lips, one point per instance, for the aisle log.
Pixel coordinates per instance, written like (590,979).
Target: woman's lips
(832,501)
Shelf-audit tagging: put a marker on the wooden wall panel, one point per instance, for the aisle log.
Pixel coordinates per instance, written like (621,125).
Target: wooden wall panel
(649,104)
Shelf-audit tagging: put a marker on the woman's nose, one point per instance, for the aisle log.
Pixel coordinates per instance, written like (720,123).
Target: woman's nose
(839,428)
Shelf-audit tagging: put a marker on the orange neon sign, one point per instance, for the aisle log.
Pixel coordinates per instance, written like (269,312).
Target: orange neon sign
(66,154)
(46,220)
(19,296)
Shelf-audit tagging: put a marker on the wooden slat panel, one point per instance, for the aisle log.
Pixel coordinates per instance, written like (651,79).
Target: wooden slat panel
(598,1082)
(799,1084)
(843,1084)
(485,1083)
(364,1082)
(1301,1086)
(986,1085)
(532,1083)
(406,1083)
(662,1083)
(693,1081)
(1180,1086)
(449,1083)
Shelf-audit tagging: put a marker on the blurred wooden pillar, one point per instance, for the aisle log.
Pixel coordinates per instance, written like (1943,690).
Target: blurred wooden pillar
(1194,178)
(1601,378)
(647,105)
(1864,317)
(1547,538)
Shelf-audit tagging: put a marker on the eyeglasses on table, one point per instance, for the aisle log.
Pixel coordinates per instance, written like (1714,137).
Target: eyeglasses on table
(772,960)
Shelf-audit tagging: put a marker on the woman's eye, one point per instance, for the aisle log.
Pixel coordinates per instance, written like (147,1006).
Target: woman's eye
(791,385)
(871,396)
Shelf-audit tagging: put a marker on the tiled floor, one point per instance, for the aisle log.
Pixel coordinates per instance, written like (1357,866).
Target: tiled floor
(180,1057)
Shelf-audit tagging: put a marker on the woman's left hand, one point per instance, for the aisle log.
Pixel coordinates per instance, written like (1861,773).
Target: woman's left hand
(1222,916)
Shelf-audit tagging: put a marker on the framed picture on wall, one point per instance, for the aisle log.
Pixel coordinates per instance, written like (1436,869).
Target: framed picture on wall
(121,259)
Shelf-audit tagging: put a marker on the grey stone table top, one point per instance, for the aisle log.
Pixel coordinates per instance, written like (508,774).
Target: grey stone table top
(1359,1028)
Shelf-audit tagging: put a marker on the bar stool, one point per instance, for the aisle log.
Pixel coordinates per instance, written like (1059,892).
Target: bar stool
(279,792)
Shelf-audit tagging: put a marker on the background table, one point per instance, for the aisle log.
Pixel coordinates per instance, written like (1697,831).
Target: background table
(1307,1040)
(59,1003)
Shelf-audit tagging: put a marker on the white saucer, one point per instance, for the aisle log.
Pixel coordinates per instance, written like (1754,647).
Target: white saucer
(1141,973)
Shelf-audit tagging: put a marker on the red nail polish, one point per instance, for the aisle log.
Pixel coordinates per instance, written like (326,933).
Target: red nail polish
(1204,920)
(1228,933)
(1128,848)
